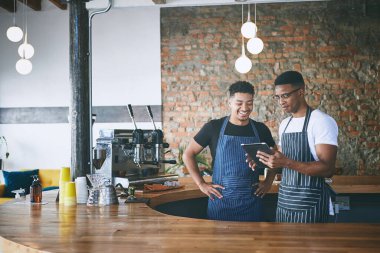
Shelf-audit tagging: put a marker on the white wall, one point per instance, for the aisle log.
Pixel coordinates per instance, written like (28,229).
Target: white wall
(126,70)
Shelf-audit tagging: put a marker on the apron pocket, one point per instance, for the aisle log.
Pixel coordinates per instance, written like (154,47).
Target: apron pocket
(237,187)
(298,198)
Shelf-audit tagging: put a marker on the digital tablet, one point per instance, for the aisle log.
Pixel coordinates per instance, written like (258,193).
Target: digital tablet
(252,148)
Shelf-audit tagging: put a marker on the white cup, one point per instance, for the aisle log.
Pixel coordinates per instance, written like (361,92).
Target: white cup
(81,189)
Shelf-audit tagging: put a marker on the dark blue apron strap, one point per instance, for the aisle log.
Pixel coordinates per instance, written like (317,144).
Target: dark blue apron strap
(223,128)
(307,119)
(221,133)
(254,129)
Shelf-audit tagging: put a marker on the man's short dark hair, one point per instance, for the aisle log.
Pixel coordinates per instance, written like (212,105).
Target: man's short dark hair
(290,77)
(241,87)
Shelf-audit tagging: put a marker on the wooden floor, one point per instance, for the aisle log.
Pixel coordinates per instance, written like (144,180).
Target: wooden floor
(137,228)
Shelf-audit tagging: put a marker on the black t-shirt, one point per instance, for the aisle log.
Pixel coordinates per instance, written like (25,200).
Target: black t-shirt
(209,133)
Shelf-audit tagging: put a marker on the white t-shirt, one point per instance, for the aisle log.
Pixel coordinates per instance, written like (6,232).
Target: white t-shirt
(322,129)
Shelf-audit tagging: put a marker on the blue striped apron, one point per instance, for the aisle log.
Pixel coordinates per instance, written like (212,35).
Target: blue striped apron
(231,171)
(301,198)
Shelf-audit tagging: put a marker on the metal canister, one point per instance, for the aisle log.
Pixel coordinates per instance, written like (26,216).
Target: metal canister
(108,196)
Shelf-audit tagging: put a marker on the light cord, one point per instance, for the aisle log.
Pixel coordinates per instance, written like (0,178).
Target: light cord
(26,22)
(242,14)
(14,13)
(249,13)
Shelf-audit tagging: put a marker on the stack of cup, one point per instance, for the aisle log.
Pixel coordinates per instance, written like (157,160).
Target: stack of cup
(63,179)
(81,190)
(70,198)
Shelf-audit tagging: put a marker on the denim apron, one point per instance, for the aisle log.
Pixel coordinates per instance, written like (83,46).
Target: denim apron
(301,198)
(232,172)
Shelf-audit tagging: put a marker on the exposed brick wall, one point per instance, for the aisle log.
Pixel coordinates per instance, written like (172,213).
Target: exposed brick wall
(334,44)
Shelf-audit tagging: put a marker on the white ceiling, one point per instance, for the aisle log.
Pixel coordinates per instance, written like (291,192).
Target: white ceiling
(179,3)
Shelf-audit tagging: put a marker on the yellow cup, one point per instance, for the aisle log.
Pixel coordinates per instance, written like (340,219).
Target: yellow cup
(65,174)
(64,177)
(70,198)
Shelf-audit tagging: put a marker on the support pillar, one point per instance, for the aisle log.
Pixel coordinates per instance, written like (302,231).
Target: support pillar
(79,78)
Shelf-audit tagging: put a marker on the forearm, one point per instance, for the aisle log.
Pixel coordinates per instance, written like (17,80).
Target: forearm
(315,168)
(193,168)
(271,174)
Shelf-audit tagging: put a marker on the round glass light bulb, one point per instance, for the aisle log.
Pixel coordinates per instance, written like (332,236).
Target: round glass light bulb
(243,64)
(255,45)
(26,51)
(14,33)
(248,29)
(24,66)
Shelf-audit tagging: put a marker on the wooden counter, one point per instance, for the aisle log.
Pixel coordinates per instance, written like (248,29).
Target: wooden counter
(138,228)
(341,184)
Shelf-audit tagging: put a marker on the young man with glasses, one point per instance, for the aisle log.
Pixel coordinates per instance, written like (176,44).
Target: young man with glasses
(307,154)
(232,194)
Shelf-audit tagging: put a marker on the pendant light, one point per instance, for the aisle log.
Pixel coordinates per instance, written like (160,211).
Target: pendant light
(24,66)
(243,64)
(14,33)
(255,45)
(248,29)
(25,50)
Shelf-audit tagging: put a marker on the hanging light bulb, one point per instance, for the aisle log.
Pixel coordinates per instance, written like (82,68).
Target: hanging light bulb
(243,64)
(248,29)
(25,50)
(24,66)
(255,45)
(14,33)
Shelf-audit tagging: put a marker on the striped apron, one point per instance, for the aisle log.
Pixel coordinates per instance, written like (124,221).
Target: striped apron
(231,171)
(301,198)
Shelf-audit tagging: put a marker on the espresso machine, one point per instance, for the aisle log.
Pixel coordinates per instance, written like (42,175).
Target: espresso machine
(134,154)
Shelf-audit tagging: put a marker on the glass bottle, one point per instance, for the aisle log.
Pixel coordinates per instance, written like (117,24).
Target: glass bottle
(36,190)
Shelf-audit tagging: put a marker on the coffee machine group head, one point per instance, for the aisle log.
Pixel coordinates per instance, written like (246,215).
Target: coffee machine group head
(138,146)
(137,140)
(158,144)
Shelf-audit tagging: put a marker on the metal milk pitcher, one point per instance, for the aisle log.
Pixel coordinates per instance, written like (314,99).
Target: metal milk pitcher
(107,195)
(93,197)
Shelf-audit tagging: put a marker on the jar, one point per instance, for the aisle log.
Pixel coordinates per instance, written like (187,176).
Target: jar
(36,190)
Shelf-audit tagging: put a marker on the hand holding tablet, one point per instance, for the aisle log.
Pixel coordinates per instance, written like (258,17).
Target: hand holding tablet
(252,148)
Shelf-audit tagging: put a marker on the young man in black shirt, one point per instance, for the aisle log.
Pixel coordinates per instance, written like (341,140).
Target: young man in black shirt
(233,183)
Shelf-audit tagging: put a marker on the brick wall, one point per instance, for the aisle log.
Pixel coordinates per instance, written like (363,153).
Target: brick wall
(334,44)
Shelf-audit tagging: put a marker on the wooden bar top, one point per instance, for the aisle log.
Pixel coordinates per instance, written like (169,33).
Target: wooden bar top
(137,228)
(341,184)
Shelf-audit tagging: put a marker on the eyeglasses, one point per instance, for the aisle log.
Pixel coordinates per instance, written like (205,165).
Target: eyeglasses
(285,95)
